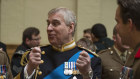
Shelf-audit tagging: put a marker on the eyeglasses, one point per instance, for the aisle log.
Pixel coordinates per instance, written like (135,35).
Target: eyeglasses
(37,39)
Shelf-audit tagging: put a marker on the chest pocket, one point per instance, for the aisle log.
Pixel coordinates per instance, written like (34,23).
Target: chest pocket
(3,72)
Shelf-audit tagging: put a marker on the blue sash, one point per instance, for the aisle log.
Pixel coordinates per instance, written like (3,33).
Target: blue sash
(58,73)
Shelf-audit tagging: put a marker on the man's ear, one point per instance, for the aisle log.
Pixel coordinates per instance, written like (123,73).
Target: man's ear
(71,27)
(131,25)
(114,38)
(27,41)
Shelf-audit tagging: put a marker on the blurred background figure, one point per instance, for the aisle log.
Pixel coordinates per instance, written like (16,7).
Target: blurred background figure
(5,71)
(86,43)
(99,37)
(31,38)
(87,34)
(3,48)
(114,58)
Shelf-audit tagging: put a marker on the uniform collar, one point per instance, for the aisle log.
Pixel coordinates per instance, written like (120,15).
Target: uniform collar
(65,47)
(138,54)
(137,51)
(119,52)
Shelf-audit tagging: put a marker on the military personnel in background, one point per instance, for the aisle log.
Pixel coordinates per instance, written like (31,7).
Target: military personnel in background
(128,27)
(5,71)
(31,38)
(99,37)
(3,48)
(86,43)
(114,58)
(87,34)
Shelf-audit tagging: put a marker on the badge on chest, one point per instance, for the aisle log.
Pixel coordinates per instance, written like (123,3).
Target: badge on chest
(126,73)
(70,68)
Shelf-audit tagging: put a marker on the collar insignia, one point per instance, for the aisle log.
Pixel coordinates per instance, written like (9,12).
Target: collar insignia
(138,54)
(66,47)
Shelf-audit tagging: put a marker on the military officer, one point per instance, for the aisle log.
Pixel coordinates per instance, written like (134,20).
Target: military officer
(5,71)
(128,27)
(112,59)
(62,59)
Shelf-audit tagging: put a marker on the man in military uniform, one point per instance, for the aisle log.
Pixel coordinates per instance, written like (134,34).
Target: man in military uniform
(128,27)
(31,38)
(114,58)
(62,59)
(5,71)
(3,48)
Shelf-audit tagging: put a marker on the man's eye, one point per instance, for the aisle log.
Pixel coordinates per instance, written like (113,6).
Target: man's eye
(55,23)
(48,22)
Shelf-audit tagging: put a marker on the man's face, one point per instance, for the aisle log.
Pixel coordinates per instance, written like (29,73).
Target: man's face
(122,28)
(58,31)
(88,36)
(35,41)
(118,43)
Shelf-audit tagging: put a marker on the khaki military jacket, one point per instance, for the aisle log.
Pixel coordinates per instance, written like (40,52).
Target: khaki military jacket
(4,64)
(111,63)
(134,62)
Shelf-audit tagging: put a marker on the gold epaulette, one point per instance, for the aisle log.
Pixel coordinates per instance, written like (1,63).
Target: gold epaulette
(24,59)
(92,52)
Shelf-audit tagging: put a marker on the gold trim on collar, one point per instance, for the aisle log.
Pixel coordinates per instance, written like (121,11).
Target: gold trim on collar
(65,47)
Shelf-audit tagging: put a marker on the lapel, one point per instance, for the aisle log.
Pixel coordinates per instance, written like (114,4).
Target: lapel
(130,60)
(131,57)
(129,52)
(115,56)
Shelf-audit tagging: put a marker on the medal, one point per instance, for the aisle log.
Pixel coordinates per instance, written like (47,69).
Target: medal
(127,73)
(66,68)
(3,71)
(70,68)
(74,70)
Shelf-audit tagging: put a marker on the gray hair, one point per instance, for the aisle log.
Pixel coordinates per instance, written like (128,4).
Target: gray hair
(69,16)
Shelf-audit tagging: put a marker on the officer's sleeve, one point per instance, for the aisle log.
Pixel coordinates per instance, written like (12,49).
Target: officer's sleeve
(96,67)
(24,63)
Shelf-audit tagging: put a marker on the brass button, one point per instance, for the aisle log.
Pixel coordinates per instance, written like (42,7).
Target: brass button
(42,61)
(109,48)
(39,73)
(111,70)
(111,52)
(43,52)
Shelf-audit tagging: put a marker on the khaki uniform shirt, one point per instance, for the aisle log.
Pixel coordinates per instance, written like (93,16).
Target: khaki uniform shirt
(111,63)
(134,62)
(4,61)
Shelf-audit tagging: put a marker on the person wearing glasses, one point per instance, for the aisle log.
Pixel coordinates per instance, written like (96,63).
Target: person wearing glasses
(31,38)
